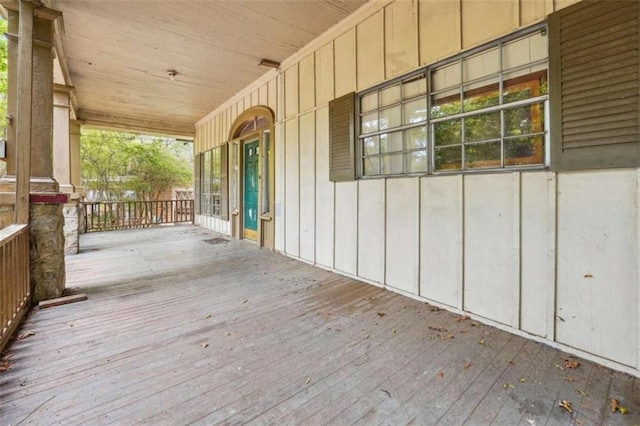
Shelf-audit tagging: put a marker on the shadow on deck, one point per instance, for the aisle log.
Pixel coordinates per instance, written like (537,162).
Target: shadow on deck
(177,330)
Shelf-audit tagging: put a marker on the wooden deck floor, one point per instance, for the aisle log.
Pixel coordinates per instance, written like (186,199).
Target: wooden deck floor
(179,331)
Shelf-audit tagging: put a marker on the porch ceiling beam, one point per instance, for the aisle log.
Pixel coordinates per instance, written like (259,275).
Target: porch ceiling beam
(132,124)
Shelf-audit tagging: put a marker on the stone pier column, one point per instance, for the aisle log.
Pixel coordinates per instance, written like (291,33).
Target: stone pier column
(45,200)
(66,155)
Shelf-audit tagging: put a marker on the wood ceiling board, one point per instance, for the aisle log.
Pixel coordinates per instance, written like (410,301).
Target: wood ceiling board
(118,53)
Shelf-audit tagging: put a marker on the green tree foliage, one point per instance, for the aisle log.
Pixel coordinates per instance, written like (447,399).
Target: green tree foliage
(116,165)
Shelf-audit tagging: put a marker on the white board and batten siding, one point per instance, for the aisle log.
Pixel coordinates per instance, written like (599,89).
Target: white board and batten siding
(551,256)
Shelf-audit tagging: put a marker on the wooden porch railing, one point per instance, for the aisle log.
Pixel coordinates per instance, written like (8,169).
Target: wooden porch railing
(108,216)
(15,290)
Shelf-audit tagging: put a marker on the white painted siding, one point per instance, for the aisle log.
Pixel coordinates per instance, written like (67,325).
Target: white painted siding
(597,262)
(554,256)
(371,223)
(441,239)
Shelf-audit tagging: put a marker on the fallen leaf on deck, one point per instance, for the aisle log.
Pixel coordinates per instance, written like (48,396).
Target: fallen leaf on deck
(467,365)
(482,342)
(522,379)
(440,374)
(387,392)
(24,336)
(508,385)
(613,405)
(462,318)
(245,301)
(588,276)
(381,314)
(571,364)
(204,345)
(228,334)
(450,336)
(437,328)
(566,405)
(579,392)
(435,309)
(4,366)
(558,366)
(308,381)
(569,379)
(208,316)
(394,330)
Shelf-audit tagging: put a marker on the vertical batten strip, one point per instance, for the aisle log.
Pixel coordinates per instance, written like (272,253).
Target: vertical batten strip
(517,18)
(552,257)
(637,336)
(461,236)
(517,250)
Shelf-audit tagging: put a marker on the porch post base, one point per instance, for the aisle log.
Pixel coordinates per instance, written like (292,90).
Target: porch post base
(47,251)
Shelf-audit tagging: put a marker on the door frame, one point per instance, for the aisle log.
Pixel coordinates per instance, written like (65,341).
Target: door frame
(256,123)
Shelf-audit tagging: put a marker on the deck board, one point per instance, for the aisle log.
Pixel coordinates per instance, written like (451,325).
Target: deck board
(179,331)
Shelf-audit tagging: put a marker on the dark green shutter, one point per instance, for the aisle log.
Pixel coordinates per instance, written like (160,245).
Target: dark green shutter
(341,138)
(594,85)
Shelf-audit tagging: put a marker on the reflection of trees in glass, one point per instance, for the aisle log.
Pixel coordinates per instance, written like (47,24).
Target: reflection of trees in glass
(510,123)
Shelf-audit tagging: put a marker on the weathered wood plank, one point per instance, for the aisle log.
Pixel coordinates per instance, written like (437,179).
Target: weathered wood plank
(175,331)
(65,300)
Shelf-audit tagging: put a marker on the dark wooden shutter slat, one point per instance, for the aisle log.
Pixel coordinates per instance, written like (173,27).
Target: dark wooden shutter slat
(342,138)
(594,55)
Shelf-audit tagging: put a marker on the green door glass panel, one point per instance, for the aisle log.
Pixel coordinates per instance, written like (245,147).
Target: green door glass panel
(251,185)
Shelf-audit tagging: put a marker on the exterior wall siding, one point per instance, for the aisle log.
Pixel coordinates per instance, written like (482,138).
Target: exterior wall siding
(551,256)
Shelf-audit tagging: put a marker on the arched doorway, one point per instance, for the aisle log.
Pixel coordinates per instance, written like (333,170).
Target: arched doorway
(252,176)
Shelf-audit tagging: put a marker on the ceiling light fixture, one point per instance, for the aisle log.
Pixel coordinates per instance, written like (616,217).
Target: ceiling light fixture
(269,63)
(172,74)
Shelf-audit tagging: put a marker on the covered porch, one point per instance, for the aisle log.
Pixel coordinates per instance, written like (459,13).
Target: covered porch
(183,325)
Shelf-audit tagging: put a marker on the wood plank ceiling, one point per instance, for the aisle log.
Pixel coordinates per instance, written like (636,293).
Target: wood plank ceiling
(118,53)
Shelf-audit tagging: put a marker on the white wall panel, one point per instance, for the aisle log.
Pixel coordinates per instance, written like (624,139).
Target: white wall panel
(538,248)
(489,287)
(346,227)
(324,74)
(307,186)
(292,188)
(597,263)
(345,60)
(371,223)
(441,239)
(280,186)
(403,233)
(324,192)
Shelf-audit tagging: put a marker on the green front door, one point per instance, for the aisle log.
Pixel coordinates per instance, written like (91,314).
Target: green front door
(251,190)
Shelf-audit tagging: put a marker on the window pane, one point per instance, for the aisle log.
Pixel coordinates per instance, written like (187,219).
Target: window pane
(523,51)
(369,102)
(448,158)
(391,142)
(392,164)
(524,151)
(481,65)
(482,127)
(517,87)
(482,155)
(446,106)
(415,138)
(371,166)
(524,120)
(415,111)
(390,95)
(447,132)
(416,162)
(369,123)
(446,76)
(481,97)
(371,145)
(415,87)
(390,117)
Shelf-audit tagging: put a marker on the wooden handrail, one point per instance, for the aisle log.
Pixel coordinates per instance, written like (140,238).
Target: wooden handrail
(108,216)
(15,290)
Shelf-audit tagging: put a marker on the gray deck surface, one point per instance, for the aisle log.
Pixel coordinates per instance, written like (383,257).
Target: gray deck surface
(178,331)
